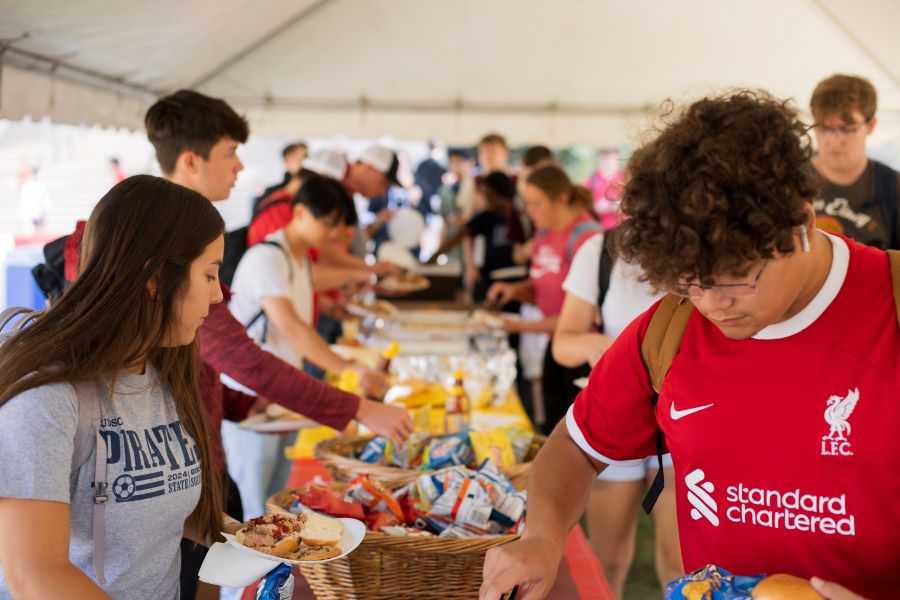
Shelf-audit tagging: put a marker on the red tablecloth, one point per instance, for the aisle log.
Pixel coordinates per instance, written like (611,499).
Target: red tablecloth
(580,575)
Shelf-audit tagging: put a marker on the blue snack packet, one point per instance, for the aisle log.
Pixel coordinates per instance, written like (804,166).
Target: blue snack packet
(374,450)
(712,583)
(448,450)
(277,585)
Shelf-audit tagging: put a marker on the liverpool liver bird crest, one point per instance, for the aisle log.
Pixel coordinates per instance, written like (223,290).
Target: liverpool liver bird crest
(838,411)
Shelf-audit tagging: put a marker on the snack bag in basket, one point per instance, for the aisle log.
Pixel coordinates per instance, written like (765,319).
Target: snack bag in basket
(330,501)
(377,519)
(448,450)
(494,445)
(521,443)
(426,492)
(373,496)
(373,452)
(444,478)
(507,502)
(408,454)
(466,502)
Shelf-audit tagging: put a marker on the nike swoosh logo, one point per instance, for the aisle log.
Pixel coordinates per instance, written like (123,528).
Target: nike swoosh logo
(679,414)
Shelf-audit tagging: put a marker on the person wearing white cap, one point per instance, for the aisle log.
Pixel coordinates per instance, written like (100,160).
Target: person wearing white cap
(328,163)
(373,172)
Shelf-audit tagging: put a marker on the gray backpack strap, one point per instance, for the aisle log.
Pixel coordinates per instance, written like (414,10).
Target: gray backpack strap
(576,233)
(88,439)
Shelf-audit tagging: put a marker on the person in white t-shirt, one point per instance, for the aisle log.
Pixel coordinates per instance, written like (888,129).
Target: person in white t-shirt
(587,325)
(273,291)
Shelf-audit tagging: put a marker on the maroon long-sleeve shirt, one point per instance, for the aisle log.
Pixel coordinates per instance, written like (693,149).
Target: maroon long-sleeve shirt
(226,348)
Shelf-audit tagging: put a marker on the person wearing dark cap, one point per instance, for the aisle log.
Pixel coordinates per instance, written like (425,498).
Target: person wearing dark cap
(498,224)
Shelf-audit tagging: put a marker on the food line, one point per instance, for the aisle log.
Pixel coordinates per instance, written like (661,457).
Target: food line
(467,358)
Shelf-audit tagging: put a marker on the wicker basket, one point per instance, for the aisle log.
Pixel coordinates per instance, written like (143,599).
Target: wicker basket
(336,454)
(386,567)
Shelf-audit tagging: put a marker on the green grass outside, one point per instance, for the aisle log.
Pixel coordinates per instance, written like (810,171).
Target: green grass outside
(641,583)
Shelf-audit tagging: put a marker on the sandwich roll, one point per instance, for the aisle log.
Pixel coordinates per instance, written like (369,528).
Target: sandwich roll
(319,530)
(276,535)
(784,587)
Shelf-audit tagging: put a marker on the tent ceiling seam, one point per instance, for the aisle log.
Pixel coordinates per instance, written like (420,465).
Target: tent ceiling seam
(55,67)
(259,43)
(832,18)
(451,106)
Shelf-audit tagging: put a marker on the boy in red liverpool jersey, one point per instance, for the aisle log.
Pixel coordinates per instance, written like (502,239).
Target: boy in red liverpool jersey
(779,409)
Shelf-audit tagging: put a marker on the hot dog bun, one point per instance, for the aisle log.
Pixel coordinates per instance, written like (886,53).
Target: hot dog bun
(784,587)
(319,530)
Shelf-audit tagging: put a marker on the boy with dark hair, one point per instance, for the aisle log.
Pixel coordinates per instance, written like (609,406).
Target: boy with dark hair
(493,153)
(293,155)
(198,136)
(536,156)
(859,196)
(783,336)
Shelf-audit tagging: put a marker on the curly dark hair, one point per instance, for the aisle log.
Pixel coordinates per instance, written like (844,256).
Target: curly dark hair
(721,186)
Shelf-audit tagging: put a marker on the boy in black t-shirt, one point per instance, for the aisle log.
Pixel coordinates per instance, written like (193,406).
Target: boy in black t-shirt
(859,197)
(498,224)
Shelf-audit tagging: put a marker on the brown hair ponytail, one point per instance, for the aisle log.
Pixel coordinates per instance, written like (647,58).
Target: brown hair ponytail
(554,182)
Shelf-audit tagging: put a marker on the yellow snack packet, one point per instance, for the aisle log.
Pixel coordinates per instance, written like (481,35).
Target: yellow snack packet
(493,444)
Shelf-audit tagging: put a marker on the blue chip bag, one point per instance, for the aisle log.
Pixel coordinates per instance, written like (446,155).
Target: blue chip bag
(448,450)
(374,450)
(712,583)
(277,585)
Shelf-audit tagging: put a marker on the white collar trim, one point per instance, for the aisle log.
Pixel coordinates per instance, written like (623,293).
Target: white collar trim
(840,261)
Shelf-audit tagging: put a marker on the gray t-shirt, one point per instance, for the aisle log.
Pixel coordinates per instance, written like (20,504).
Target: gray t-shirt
(153,469)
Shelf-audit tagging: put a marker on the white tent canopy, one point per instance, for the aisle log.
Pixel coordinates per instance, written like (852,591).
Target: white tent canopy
(571,71)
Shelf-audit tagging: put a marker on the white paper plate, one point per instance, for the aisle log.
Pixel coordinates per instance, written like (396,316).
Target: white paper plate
(263,424)
(405,227)
(394,284)
(398,254)
(353,533)
(235,565)
(517,272)
(581,382)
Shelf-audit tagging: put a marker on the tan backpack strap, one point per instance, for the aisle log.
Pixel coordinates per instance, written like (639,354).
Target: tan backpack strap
(894,257)
(663,337)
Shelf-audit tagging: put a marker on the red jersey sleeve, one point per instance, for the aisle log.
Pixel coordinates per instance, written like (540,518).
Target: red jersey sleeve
(226,346)
(612,419)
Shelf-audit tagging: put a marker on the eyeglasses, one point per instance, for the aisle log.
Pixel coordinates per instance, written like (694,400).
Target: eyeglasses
(842,131)
(732,290)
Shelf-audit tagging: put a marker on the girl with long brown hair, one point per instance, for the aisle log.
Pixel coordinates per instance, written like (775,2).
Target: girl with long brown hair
(563,219)
(125,332)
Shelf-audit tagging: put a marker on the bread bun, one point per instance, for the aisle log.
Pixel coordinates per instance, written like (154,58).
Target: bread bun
(319,530)
(315,553)
(283,548)
(784,587)
(275,411)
